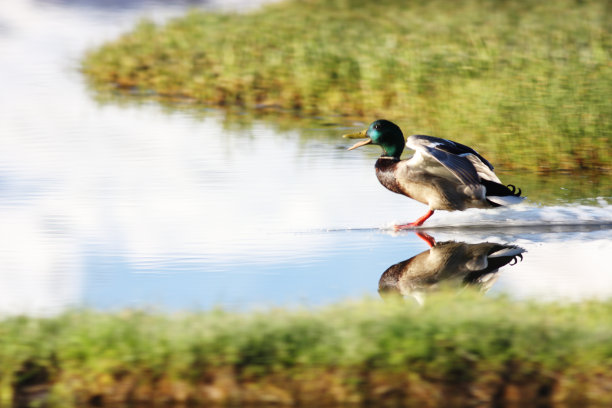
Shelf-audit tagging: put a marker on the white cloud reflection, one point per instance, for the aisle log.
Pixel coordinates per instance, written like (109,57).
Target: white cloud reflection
(157,188)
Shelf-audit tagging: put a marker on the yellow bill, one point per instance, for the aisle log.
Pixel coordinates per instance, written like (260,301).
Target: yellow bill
(358,135)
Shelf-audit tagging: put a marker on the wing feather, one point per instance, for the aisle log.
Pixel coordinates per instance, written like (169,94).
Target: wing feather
(484,172)
(460,166)
(450,146)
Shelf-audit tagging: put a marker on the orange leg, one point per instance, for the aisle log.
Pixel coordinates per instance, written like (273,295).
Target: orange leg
(417,223)
(431,241)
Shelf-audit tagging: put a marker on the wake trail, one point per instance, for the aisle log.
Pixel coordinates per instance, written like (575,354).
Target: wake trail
(520,218)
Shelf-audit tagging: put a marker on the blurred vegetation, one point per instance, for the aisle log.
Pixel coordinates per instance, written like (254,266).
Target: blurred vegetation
(472,347)
(526,81)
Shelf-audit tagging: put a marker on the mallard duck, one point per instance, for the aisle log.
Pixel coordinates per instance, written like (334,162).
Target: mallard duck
(448,264)
(443,174)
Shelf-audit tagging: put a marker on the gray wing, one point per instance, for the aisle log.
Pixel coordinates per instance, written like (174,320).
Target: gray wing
(452,147)
(484,172)
(459,165)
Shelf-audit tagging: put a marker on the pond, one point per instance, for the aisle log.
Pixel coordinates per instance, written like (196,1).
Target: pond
(124,202)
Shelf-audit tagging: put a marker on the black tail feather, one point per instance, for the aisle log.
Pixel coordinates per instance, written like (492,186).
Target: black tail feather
(512,188)
(496,189)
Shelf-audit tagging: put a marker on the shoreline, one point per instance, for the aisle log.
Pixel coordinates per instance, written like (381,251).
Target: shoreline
(473,349)
(455,74)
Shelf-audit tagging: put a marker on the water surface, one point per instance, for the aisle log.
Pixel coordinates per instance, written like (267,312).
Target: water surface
(128,203)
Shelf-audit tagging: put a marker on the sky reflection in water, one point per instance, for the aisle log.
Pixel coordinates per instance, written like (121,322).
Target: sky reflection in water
(111,206)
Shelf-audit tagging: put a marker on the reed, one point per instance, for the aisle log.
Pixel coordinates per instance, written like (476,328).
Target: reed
(468,343)
(529,81)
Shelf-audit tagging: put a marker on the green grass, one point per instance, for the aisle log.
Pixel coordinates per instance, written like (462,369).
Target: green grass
(460,340)
(529,82)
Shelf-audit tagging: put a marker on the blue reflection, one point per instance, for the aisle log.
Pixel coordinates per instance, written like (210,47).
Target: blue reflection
(346,271)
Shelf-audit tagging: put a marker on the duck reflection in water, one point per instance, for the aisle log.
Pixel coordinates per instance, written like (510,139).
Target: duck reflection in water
(447,265)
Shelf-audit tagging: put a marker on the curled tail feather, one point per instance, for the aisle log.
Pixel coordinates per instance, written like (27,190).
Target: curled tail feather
(500,195)
(513,188)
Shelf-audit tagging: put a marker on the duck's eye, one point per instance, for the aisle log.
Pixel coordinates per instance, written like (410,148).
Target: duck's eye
(377,126)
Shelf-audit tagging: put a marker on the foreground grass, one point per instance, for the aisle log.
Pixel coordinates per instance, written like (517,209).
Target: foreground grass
(527,81)
(472,349)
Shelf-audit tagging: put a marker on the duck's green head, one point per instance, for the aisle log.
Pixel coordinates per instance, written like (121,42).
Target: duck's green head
(383,133)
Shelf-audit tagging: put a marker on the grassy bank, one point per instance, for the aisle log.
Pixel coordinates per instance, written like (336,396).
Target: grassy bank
(466,349)
(527,81)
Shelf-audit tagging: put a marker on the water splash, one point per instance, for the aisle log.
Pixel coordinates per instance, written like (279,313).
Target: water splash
(525,215)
